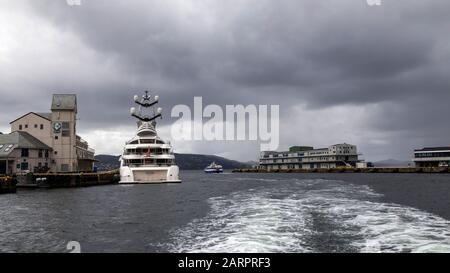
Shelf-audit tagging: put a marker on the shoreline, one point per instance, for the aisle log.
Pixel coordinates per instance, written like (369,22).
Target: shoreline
(7,184)
(431,170)
(66,180)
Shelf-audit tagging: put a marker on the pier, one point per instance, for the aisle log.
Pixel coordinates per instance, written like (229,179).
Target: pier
(350,170)
(67,180)
(7,184)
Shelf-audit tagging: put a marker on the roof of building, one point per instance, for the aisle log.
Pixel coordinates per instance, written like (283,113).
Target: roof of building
(295,149)
(431,149)
(300,148)
(21,140)
(47,116)
(64,102)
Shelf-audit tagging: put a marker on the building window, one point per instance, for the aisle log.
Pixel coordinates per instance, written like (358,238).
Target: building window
(65,129)
(46,153)
(56,137)
(46,165)
(35,126)
(20,127)
(64,167)
(25,152)
(24,166)
(42,126)
(56,152)
(40,154)
(26,126)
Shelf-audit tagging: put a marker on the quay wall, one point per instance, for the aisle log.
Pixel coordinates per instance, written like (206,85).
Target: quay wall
(67,180)
(8,184)
(350,170)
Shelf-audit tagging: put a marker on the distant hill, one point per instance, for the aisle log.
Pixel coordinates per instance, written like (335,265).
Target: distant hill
(392,163)
(184,161)
(199,162)
(107,162)
(252,163)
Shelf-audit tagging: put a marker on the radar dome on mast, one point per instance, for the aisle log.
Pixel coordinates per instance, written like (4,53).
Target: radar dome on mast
(146,102)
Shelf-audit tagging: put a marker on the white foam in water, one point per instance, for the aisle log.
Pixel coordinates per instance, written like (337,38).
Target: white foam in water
(392,228)
(245,222)
(293,218)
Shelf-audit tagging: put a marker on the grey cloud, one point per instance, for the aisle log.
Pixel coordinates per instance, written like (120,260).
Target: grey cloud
(319,54)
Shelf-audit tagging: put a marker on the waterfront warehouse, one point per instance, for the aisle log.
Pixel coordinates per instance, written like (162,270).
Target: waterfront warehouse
(305,157)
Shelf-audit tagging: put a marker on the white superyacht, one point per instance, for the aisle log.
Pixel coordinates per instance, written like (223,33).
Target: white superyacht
(146,157)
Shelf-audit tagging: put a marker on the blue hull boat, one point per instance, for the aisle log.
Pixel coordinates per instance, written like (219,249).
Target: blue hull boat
(214,168)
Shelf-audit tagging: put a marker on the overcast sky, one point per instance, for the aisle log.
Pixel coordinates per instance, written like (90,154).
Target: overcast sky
(341,70)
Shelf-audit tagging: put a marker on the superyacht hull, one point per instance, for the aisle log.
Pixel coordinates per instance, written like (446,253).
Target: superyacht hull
(149,175)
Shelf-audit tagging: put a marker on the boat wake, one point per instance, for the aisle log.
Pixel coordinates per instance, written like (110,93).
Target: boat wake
(311,216)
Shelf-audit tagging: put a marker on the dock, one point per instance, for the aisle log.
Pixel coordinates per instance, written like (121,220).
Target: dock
(8,184)
(67,180)
(351,170)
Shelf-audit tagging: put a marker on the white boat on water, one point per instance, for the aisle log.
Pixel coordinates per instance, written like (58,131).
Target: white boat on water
(146,157)
(214,168)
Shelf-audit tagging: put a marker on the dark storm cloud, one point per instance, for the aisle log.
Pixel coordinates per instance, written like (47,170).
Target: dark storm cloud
(315,53)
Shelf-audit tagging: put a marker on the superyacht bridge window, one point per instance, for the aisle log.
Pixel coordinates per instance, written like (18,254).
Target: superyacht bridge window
(147,141)
(435,154)
(144,162)
(142,151)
